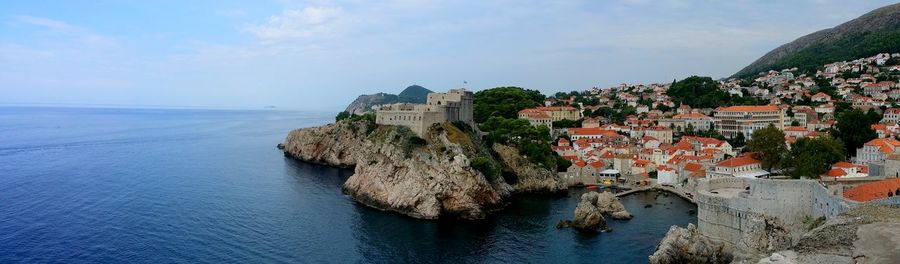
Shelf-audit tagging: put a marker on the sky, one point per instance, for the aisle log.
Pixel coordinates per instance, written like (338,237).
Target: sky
(320,55)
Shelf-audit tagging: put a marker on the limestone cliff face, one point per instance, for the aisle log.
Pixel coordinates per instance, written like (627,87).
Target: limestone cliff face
(334,144)
(687,245)
(429,180)
(531,178)
(396,171)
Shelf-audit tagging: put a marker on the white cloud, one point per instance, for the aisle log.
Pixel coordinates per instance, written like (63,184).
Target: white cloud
(299,24)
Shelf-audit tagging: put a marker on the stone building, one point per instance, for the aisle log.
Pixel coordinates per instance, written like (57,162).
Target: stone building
(747,118)
(454,105)
(557,113)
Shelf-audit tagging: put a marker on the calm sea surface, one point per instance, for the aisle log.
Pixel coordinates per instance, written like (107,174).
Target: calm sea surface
(82,185)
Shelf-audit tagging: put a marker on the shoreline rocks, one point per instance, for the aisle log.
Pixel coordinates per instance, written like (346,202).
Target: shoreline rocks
(335,144)
(427,178)
(394,170)
(687,245)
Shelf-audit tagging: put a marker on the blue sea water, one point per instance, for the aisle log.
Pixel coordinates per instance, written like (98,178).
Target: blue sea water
(81,185)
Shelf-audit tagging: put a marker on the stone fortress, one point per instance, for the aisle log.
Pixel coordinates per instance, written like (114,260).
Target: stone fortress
(758,215)
(454,105)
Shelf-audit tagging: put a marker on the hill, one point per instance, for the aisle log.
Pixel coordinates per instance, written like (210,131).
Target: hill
(875,32)
(364,103)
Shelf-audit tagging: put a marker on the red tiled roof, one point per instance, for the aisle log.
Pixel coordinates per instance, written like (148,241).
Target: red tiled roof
(873,190)
(750,108)
(737,162)
(598,164)
(692,167)
(580,163)
(843,164)
(836,173)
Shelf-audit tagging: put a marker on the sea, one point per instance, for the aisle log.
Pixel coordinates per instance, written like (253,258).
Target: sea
(115,185)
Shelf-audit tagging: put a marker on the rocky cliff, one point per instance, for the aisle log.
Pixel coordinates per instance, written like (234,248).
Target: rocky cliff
(687,245)
(530,178)
(334,144)
(428,178)
(866,234)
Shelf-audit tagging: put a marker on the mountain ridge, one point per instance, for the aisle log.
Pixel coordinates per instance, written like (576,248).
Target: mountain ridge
(364,103)
(874,32)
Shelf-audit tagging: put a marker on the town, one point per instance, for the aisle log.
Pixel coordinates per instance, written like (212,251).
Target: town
(651,136)
(769,156)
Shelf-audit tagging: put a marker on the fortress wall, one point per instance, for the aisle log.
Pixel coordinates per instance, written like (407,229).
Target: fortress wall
(736,220)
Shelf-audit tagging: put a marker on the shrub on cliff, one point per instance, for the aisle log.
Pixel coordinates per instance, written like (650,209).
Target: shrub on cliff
(532,141)
(486,166)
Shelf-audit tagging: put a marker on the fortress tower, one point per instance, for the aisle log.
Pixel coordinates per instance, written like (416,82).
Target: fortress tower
(454,105)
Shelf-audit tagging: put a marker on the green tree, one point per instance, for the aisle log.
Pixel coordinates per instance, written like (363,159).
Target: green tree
(854,128)
(698,92)
(532,141)
(341,116)
(504,102)
(813,157)
(769,144)
(738,141)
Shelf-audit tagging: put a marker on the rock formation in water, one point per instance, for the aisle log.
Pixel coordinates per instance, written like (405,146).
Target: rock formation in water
(610,205)
(397,171)
(334,144)
(687,245)
(530,178)
(588,216)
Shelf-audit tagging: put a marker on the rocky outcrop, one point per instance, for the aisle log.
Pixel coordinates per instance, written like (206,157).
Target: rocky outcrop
(427,179)
(334,144)
(866,234)
(687,245)
(610,205)
(530,178)
(588,216)
(591,209)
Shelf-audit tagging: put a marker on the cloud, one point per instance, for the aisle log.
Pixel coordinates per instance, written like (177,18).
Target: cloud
(298,24)
(78,33)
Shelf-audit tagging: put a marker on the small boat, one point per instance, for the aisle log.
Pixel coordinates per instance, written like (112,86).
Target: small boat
(591,187)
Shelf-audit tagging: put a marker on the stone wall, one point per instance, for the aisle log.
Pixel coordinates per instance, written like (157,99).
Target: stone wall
(760,208)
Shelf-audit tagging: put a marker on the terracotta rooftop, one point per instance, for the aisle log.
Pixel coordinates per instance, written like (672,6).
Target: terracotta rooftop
(690,115)
(873,190)
(750,108)
(737,162)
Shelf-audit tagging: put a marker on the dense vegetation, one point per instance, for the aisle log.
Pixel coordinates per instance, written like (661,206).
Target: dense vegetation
(813,157)
(533,142)
(414,94)
(854,128)
(703,92)
(769,144)
(504,102)
(857,45)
